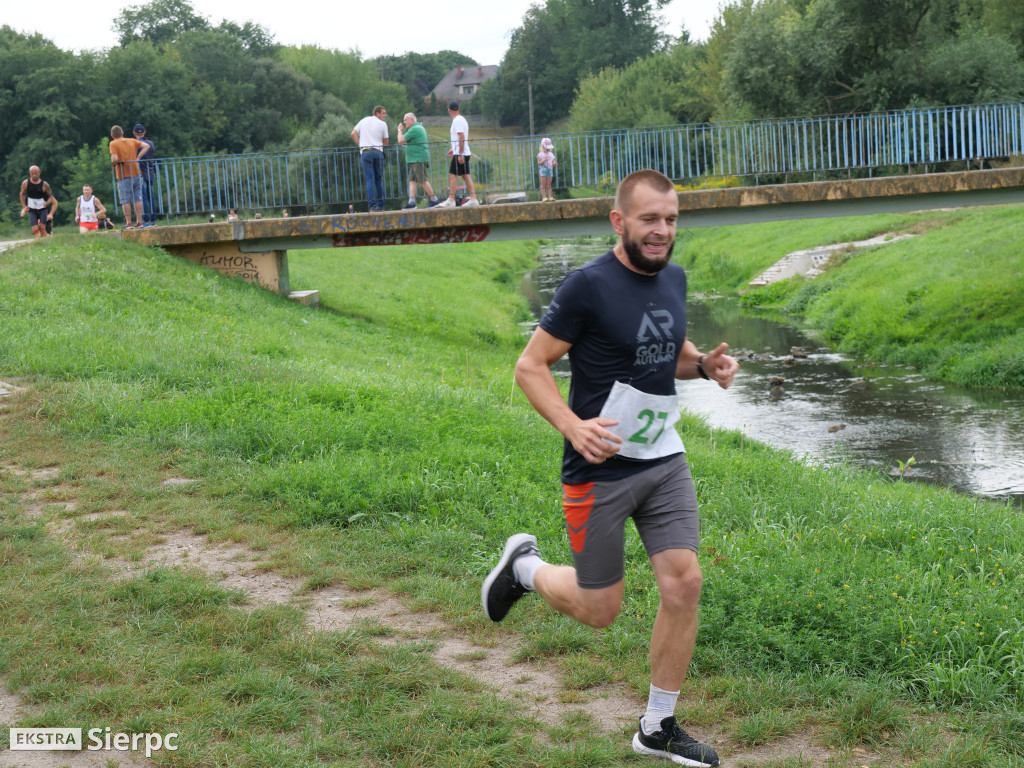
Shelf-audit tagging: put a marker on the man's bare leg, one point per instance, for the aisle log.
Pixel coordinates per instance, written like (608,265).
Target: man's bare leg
(593,607)
(675,627)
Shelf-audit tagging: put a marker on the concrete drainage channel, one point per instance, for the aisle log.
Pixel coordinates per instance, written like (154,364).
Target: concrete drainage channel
(811,262)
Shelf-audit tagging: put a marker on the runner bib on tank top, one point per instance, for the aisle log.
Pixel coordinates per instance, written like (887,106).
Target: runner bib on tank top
(87,209)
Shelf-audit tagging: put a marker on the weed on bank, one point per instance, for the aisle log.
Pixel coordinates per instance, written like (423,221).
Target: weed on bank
(380,442)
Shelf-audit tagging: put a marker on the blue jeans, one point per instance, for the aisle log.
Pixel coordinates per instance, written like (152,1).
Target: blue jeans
(148,209)
(373,170)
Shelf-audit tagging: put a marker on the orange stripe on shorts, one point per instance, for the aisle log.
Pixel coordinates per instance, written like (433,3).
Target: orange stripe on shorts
(577,500)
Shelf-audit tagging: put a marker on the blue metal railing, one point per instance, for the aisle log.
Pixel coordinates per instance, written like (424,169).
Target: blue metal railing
(749,152)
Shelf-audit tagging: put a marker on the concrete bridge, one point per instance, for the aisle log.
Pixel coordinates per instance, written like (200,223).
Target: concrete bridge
(257,249)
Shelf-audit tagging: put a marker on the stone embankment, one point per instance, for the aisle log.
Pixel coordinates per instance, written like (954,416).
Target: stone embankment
(812,262)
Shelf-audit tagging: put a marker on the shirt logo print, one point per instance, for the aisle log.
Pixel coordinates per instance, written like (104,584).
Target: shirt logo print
(655,327)
(655,324)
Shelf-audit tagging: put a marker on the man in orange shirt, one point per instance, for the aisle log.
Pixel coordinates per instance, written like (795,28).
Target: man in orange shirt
(124,156)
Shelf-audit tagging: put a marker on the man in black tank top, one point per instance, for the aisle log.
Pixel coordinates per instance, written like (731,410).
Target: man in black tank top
(621,319)
(38,202)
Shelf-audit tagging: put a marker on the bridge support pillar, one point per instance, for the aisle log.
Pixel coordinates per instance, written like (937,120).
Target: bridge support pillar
(269,269)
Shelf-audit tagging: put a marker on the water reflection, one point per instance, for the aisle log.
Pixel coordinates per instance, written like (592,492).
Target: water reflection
(828,406)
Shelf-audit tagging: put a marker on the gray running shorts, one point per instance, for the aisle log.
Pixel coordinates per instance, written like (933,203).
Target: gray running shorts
(662,502)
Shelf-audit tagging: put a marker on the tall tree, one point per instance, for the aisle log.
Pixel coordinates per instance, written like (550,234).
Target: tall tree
(158,22)
(561,42)
(826,56)
(346,76)
(246,100)
(659,90)
(44,110)
(153,86)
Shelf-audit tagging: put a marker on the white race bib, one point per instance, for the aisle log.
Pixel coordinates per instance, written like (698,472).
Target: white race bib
(646,422)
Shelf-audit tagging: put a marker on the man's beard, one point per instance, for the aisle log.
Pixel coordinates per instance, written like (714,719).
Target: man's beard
(638,260)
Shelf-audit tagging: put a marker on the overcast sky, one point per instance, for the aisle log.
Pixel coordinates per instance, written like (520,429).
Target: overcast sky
(390,27)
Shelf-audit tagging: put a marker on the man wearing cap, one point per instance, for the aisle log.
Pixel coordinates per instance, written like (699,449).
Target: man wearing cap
(371,134)
(147,168)
(459,153)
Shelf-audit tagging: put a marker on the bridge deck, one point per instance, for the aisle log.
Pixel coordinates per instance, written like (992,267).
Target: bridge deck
(254,249)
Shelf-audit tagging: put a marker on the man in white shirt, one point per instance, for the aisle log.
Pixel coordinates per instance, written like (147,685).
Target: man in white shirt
(371,134)
(460,154)
(88,210)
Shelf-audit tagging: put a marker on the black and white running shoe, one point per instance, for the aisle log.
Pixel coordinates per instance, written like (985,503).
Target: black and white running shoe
(673,743)
(501,589)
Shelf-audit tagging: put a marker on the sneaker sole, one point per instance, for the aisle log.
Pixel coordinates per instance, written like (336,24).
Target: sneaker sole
(640,749)
(513,543)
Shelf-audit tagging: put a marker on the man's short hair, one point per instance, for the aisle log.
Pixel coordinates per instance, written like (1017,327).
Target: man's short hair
(453,106)
(408,115)
(659,182)
(378,109)
(117,132)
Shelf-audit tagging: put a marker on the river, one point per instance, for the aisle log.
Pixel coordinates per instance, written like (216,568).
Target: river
(831,408)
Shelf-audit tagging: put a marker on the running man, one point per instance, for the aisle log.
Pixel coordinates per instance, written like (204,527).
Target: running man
(88,210)
(38,202)
(621,318)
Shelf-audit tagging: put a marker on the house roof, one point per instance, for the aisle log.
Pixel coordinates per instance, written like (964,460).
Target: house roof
(452,83)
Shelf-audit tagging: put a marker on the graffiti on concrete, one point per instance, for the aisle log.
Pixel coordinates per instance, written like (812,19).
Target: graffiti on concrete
(473,234)
(349,223)
(232,264)
(347,230)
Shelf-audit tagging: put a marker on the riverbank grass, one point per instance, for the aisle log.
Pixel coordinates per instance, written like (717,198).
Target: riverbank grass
(946,301)
(379,443)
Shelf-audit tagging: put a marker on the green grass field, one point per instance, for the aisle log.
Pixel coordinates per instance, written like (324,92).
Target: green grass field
(379,444)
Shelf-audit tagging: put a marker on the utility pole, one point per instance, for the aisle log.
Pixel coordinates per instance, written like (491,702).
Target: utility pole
(529,95)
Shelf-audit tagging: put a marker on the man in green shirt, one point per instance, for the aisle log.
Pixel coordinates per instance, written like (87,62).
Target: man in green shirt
(413,137)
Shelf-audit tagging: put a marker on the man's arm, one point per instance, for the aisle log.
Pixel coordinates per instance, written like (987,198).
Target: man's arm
(533,374)
(144,151)
(355,136)
(24,188)
(718,366)
(99,206)
(52,201)
(462,143)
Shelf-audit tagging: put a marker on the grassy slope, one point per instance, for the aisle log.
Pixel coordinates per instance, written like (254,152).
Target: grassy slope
(947,301)
(383,442)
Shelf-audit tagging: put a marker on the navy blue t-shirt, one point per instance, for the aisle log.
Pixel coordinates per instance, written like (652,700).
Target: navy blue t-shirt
(623,326)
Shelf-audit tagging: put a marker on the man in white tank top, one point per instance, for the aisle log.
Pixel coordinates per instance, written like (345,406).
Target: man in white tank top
(87,209)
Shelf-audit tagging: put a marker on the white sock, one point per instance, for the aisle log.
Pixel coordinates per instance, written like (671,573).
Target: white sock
(412,200)
(525,567)
(660,704)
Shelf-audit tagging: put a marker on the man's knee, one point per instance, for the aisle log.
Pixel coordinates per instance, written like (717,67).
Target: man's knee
(681,591)
(601,607)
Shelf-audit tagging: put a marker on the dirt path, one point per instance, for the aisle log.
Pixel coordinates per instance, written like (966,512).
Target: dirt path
(536,686)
